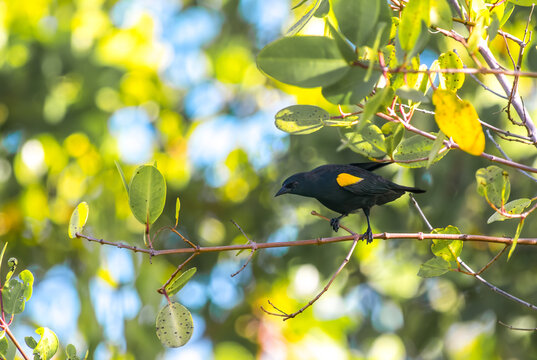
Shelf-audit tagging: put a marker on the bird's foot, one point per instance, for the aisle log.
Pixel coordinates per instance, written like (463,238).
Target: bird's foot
(335,223)
(367,236)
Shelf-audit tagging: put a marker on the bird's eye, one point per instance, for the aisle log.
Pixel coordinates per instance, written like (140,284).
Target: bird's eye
(290,185)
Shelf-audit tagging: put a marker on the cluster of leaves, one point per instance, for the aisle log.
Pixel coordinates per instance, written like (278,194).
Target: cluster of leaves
(15,292)
(147,196)
(370,58)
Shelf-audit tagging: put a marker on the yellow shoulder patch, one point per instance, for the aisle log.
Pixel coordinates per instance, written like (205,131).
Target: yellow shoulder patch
(345,179)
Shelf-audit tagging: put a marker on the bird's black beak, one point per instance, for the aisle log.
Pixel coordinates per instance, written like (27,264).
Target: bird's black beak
(282,191)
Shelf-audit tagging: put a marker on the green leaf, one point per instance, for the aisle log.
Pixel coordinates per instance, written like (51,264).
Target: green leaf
(4,347)
(450,60)
(435,149)
(411,94)
(359,19)
(344,47)
(358,144)
(377,102)
(177,208)
(299,25)
(449,250)
(147,194)
(493,27)
(434,267)
(301,119)
(414,14)
(122,175)
(16,293)
(493,183)
(70,351)
(393,134)
(513,207)
(30,341)
(476,35)
(79,217)
(515,238)
(305,61)
(413,148)
(174,325)
(351,89)
(509,7)
(179,282)
(47,345)
(374,136)
(440,14)
(323,9)
(523,2)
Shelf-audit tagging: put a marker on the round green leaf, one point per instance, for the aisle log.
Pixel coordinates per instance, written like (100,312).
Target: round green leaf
(434,267)
(352,88)
(358,144)
(78,219)
(301,119)
(147,194)
(449,250)
(450,60)
(174,325)
(305,61)
(180,281)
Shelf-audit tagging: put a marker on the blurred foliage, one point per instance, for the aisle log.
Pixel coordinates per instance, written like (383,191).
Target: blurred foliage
(86,83)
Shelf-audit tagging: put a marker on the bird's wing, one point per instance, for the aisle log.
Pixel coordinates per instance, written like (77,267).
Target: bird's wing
(370,185)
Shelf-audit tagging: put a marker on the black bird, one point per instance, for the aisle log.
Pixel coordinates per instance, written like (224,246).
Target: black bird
(346,189)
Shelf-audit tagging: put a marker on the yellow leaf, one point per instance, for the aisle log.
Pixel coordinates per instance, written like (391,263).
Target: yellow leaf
(458,119)
(78,219)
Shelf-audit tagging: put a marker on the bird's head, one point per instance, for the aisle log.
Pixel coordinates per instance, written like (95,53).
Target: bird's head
(294,184)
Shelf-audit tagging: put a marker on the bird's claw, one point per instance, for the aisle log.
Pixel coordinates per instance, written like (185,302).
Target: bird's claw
(367,236)
(335,224)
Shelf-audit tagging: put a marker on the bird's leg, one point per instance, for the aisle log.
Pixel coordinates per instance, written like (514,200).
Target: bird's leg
(368,235)
(334,222)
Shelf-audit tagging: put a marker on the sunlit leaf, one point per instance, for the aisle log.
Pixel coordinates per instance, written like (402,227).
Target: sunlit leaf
(411,29)
(4,347)
(47,345)
(449,250)
(494,184)
(299,25)
(147,194)
(515,238)
(16,292)
(440,14)
(378,102)
(352,88)
(450,60)
(434,267)
(493,28)
(513,207)
(177,208)
(412,152)
(122,175)
(174,325)
(179,282)
(458,120)
(79,217)
(301,119)
(305,61)
(435,149)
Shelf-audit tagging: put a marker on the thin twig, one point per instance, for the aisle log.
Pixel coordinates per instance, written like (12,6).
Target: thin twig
(286,316)
(516,328)
(252,252)
(13,339)
(429,226)
(505,155)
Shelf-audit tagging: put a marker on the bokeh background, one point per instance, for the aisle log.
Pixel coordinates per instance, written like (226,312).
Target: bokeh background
(88,82)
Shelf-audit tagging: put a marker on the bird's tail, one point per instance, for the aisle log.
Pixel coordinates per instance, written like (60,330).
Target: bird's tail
(410,189)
